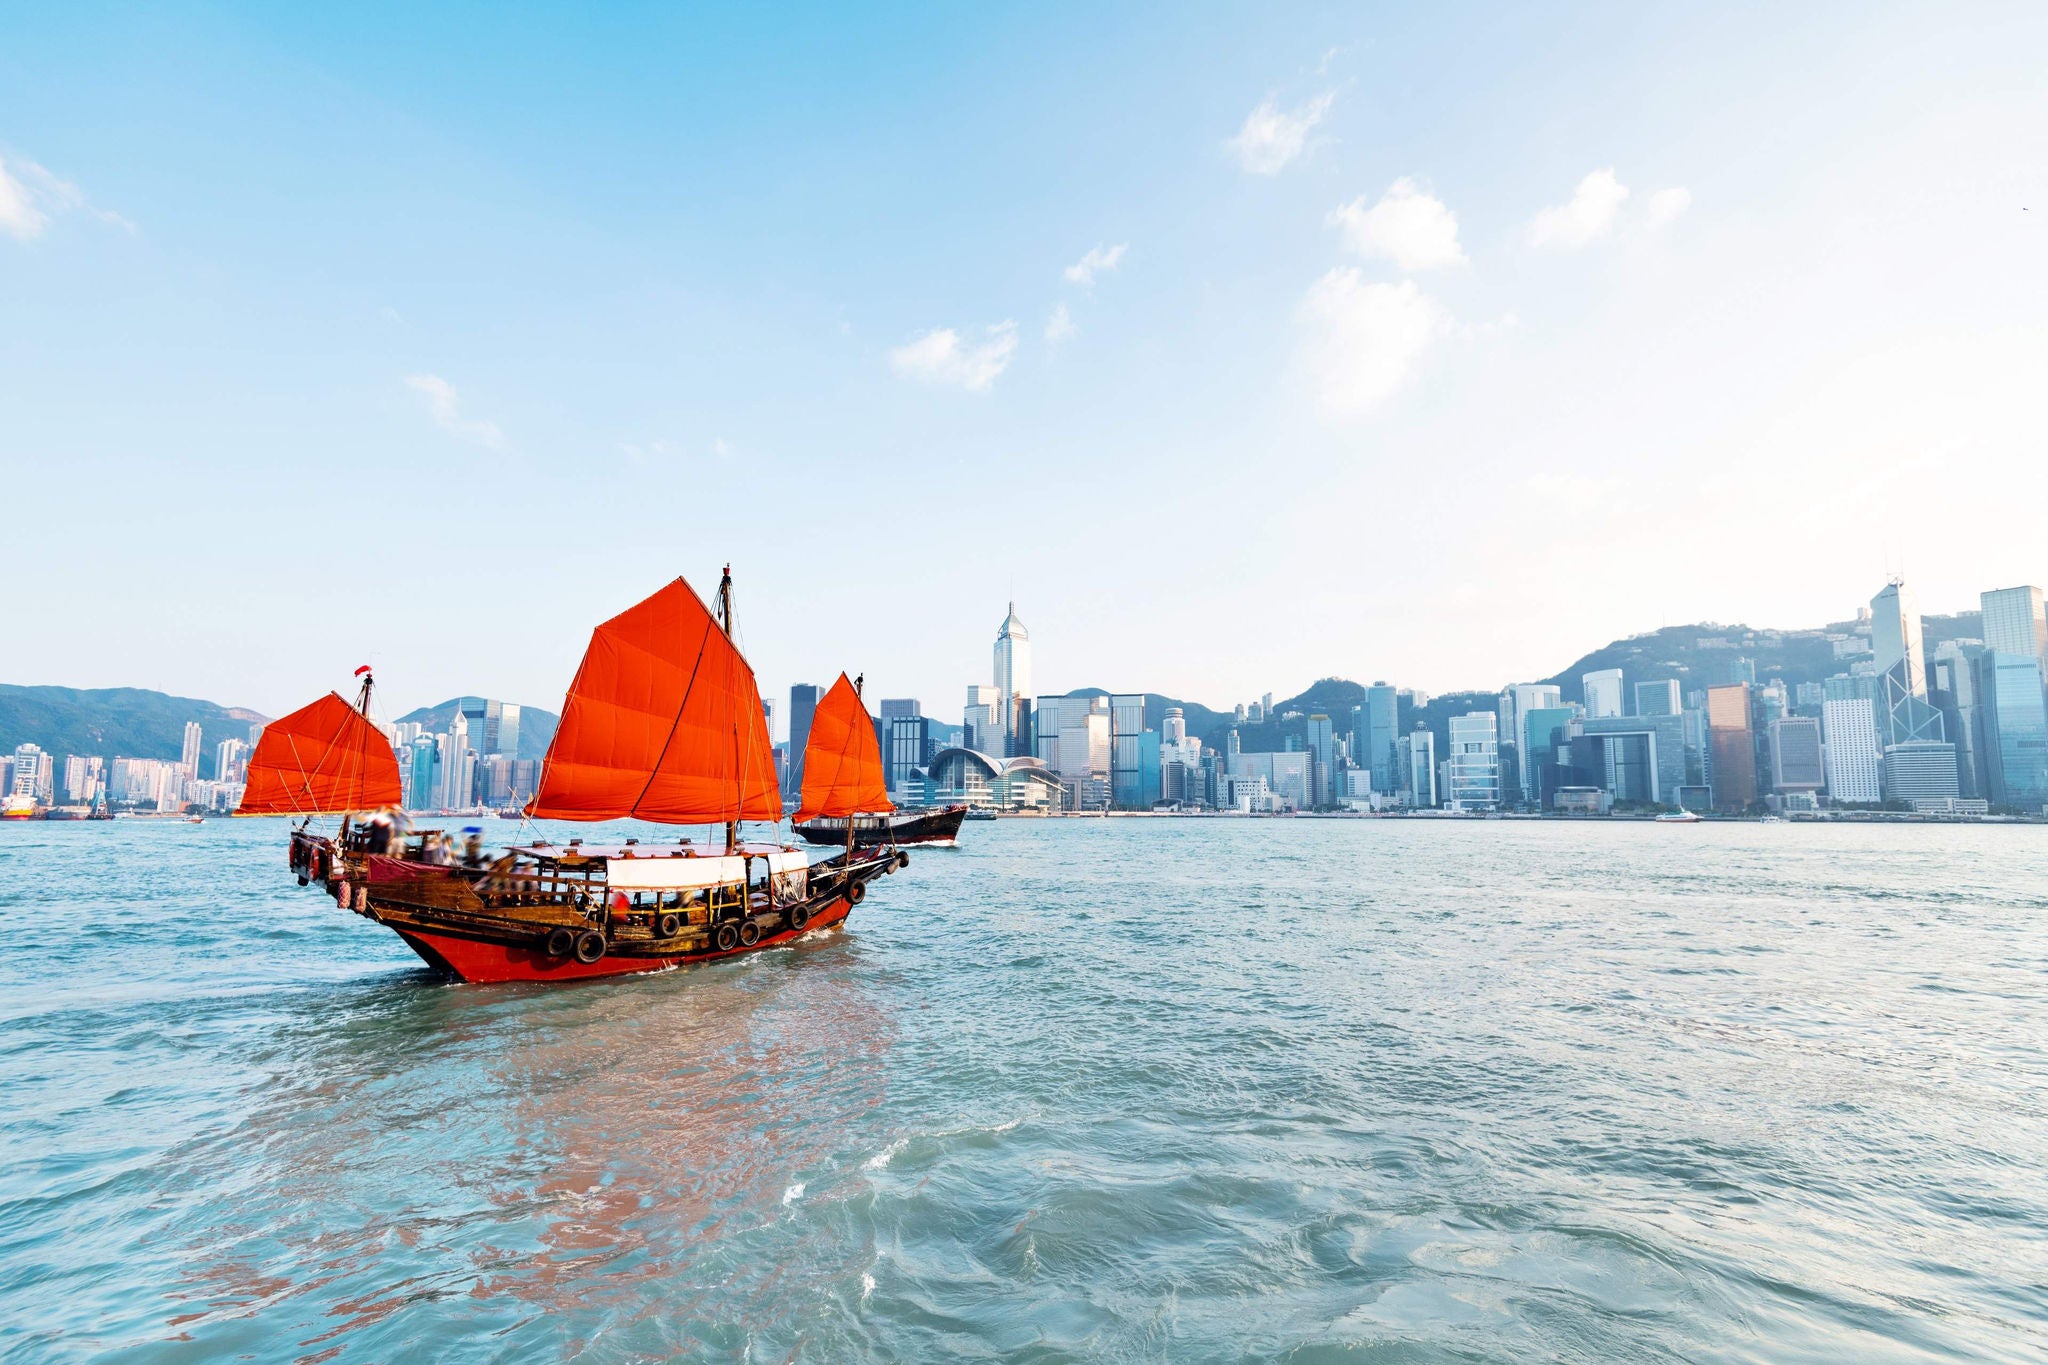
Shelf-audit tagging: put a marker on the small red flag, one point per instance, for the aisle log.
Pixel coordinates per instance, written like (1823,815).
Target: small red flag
(364,669)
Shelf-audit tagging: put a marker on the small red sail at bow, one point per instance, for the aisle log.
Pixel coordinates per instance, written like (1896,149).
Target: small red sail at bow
(842,764)
(663,723)
(321,759)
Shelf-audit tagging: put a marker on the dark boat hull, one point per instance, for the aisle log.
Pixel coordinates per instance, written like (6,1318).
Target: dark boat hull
(932,829)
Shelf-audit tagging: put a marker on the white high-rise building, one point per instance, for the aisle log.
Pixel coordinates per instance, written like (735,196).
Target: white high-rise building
(230,761)
(455,767)
(1524,698)
(1475,761)
(2016,622)
(1853,754)
(1422,768)
(1013,680)
(1603,693)
(1895,637)
(190,761)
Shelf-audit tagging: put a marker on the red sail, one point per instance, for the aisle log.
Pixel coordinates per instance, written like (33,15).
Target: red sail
(842,765)
(662,723)
(321,759)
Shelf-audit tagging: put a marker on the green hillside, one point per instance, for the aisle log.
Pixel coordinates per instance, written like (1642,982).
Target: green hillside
(110,722)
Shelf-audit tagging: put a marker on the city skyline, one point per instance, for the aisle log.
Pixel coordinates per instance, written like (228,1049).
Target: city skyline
(1431,341)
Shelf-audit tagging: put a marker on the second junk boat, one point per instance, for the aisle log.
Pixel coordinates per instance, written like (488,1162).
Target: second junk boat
(663,723)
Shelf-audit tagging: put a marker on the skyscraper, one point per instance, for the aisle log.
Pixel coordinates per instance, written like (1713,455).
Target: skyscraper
(1796,764)
(1322,744)
(1421,769)
(1732,747)
(1603,693)
(1382,737)
(1013,680)
(1853,755)
(190,761)
(2015,730)
(1127,752)
(1658,698)
(803,703)
(1475,761)
(1527,698)
(2016,622)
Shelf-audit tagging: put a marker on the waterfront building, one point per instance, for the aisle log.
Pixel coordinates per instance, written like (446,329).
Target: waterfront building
(84,778)
(230,760)
(1603,693)
(2015,729)
(1524,698)
(1381,732)
(1127,788)
(1731,747)
(1322,747)
(1659,698)
(909,746)
(803,704)
(1475,761)
(1546,731)
(1286,775)
(1904,715)
(1796,755)
(961,775)
(416,773)
(1013,681)
(1919,770)
(455,765)
(1422,769)
(482,718)
(2015,621)
(34,773)
(1073,741)
(1637,758)
(981,722)
(190,759)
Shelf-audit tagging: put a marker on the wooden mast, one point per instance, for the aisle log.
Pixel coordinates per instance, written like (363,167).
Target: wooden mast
(732,827)
(850,815)
(363,710)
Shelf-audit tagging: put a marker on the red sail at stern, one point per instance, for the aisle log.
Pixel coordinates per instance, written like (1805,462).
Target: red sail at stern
(662,723)
(321,759)
(842,765)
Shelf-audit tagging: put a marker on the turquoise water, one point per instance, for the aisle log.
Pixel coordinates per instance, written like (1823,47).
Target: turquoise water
(1172,1090)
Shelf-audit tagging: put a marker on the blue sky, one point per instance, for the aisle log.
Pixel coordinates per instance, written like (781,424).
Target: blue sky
(1240,345)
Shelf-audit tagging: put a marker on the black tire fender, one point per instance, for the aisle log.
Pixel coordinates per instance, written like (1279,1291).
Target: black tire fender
(668,925)
(561,940)
(590,946)
(799,917)
(902,859)
(856,893)
(727,937)
(750,933)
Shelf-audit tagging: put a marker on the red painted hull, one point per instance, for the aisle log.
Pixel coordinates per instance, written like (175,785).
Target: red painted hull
(486,963)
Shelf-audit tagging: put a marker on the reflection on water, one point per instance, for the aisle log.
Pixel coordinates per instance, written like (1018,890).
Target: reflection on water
(1165,1089)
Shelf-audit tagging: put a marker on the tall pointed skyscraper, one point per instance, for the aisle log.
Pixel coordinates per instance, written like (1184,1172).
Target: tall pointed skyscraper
(1013,681)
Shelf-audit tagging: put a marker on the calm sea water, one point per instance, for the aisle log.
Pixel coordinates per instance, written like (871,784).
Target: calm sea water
(1171,1090)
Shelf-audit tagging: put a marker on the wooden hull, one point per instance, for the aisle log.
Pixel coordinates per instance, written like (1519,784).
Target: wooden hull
(930,829)
(482,961)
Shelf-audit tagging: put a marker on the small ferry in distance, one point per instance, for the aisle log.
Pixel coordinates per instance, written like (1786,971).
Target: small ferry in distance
(18,806)
(1681,816)
(663,723)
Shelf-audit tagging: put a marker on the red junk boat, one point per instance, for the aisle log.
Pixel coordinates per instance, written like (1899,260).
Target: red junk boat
(663,723)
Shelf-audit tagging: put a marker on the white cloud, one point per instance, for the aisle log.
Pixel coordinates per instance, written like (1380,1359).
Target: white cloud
(1588,217)
(941,357)
(1363,339)
(30,196)
(1100,259)
(445,406)
(1408,226)
(19,215)
(1667,205)
(1060,326)
(1271,137)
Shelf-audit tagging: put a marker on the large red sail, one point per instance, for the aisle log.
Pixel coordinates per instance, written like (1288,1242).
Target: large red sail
(842,765)
(321,759)
(663,723)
